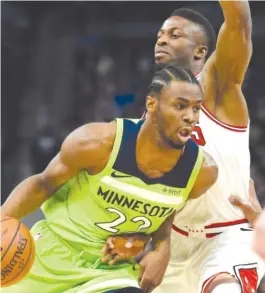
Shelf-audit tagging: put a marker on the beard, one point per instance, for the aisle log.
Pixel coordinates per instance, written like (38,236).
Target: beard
(163,137)
(172,144)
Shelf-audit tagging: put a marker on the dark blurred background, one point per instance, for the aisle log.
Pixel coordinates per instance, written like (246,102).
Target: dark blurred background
(68,63)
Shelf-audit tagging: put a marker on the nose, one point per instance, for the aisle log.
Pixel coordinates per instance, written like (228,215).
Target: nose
(163,40)
(189,116)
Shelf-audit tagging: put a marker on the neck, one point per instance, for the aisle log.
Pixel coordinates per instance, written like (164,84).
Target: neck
(151,145)
(196,67)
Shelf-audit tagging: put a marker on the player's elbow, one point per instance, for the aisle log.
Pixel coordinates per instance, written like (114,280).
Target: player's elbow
(45,188)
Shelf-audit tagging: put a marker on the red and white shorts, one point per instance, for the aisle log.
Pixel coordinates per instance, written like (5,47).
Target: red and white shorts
(195,261)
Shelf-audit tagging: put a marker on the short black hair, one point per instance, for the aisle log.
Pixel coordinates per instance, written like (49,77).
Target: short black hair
(168,73)
(201,20)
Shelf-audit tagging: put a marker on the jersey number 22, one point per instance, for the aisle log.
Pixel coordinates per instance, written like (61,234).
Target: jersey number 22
(111,226)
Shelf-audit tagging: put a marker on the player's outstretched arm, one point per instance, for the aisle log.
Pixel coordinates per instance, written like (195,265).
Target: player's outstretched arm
(85,148)
(228,65)
(206,178)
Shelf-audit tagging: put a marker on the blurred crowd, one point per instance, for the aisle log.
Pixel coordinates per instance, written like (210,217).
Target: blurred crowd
(69,63)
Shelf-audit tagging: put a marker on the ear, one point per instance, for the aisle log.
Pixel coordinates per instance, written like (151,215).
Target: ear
(151,104)
(200,52)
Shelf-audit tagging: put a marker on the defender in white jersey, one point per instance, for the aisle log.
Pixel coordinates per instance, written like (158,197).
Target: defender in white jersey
(211,242)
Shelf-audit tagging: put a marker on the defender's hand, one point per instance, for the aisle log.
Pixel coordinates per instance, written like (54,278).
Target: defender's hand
(250,213)
(152,270)
(124,247)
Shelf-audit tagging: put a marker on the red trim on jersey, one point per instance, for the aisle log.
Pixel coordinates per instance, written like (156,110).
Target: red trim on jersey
(211,235)
(224,224)
(180,231)
(214,225)
(235,128)
(207,235)
(197,74)
(208,281)
(185,233)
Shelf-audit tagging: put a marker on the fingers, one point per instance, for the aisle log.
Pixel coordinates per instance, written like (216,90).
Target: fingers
(132,247)
(105,248)
(236,201)
(115,258)
(110,242)
(248,211)
(108,251)
(107,256)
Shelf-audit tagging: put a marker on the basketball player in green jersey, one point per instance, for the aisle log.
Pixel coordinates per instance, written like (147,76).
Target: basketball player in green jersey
(114,178)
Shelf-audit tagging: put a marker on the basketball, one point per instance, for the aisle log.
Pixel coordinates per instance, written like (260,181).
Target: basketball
(17,251)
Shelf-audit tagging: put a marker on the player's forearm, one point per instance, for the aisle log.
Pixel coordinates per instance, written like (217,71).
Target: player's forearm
(237,14)
(26,198)
(163,245)
(161,238)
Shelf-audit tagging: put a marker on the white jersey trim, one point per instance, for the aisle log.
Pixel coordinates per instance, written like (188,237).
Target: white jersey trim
(214,119)
(224,125)
(143,193)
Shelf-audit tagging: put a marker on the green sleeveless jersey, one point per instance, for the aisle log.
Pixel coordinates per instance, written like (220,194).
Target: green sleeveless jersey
(120,199)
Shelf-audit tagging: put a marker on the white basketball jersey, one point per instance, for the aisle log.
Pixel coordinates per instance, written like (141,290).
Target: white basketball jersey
(229,146)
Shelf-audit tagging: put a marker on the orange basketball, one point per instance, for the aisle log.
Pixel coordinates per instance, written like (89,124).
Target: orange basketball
(17,251)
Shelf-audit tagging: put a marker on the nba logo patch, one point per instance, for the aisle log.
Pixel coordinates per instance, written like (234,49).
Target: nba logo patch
(37,237)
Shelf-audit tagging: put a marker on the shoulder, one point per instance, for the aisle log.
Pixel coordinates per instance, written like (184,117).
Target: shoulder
(207,176)
(90,145)
(209,166)
(91,135)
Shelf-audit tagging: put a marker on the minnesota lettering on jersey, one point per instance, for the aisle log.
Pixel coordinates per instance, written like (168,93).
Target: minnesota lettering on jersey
(115,198)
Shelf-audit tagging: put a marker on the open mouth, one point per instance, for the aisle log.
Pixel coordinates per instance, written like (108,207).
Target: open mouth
(184,132)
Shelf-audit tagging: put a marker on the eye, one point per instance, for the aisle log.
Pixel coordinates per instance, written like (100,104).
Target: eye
(175,34)
(180,106)
(196,109)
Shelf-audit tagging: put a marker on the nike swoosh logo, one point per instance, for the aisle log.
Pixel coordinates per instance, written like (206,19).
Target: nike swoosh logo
(247,229)
(115,175)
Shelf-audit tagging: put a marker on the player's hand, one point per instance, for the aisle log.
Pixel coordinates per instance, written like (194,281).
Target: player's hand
(152,270)
(250,213)
(124,247)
